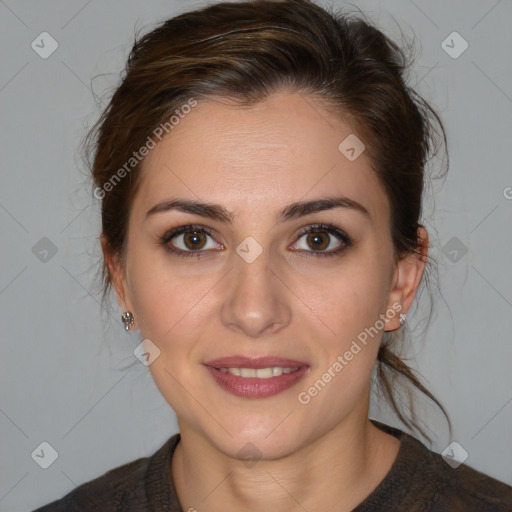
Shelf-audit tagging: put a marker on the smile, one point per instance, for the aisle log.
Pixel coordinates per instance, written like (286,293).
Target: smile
(259,373)
(259,377)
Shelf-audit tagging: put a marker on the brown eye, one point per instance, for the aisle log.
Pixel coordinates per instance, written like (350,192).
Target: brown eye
(318,240)
(322,240)
(194,240)
(189,240)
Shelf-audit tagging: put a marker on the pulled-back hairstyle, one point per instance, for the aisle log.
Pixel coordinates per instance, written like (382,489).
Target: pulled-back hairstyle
(245,51)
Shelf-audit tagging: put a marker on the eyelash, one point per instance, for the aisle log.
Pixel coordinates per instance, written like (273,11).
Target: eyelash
(314,228)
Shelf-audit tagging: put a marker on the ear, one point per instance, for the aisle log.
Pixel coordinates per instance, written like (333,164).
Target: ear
(406,279)
(117,271)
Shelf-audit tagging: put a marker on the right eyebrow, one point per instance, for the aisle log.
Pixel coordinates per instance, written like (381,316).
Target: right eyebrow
(212,211)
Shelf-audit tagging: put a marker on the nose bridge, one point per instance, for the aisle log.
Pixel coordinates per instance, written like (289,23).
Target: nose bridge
(255,302)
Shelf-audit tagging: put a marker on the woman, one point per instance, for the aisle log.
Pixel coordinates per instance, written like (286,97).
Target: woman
(261,170)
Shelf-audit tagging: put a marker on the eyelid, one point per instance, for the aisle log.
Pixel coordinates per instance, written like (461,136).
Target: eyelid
(179,230)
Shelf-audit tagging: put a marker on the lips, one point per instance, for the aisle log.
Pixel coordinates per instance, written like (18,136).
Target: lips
(256,377)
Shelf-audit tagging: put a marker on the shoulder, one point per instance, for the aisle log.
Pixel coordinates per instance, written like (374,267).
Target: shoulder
(120,489)
(465,488)
(106,492)
(443,487)
(422,480)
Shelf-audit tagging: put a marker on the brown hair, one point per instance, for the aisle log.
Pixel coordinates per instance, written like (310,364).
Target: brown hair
(245,51)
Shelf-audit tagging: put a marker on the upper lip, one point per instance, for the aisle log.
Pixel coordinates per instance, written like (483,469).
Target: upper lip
(254,362)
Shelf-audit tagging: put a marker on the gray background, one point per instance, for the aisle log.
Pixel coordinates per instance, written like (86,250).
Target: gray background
(62,376)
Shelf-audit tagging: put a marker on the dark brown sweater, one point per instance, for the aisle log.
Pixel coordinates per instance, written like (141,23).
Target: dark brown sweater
(419,480)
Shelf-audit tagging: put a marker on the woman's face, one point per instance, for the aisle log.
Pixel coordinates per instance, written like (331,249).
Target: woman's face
(254,290)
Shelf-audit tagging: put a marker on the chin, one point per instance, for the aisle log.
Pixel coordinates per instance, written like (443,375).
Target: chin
(260,438)
(252,448)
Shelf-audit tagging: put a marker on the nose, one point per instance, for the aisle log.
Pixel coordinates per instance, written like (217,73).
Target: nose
(256,300)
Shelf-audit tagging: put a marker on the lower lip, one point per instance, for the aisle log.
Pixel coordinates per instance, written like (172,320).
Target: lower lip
(253,387)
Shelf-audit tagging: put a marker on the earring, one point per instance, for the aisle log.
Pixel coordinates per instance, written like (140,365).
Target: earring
(127,319)
(403,318)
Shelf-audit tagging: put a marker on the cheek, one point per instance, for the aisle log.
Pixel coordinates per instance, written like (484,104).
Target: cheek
(347,350)
(164,292)
(347,300)
(350,341)
(171,307)
(349,305)
(168,305)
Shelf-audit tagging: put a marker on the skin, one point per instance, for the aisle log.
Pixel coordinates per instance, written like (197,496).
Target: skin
(289,302)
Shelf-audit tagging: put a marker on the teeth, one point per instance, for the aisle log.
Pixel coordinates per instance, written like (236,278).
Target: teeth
(276,371)
(260,373)
(245,372)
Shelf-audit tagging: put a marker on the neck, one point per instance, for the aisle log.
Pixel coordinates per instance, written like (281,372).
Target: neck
(335,472)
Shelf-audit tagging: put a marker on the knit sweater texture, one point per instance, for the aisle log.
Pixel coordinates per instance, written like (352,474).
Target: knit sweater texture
(419,480)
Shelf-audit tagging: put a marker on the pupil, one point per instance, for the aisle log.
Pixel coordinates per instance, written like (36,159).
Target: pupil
(316,240)
(194,238)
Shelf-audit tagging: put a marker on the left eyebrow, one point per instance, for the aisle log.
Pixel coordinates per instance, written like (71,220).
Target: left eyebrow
(300,209)
(292,211)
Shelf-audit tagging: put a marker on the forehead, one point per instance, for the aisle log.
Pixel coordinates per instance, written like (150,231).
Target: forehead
(281,150)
